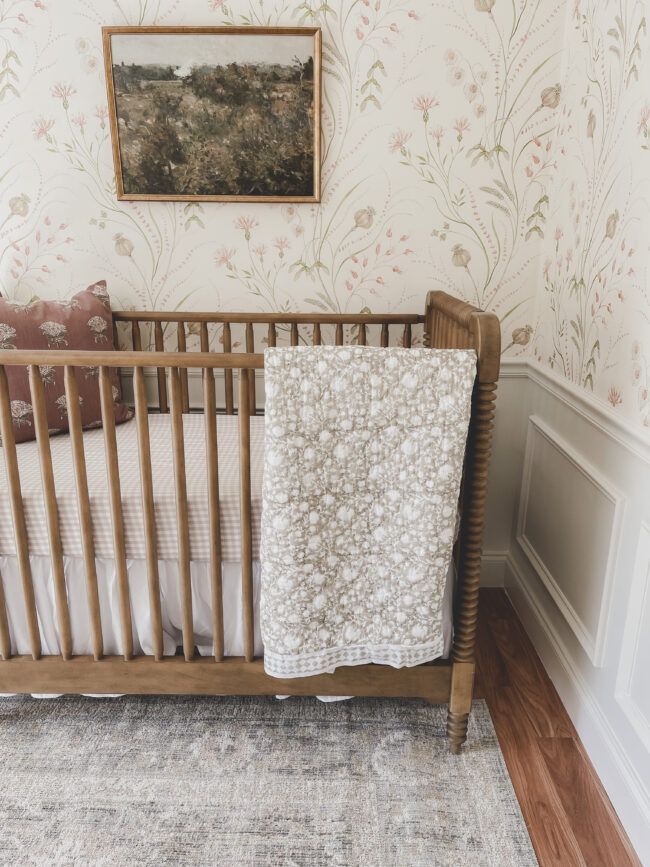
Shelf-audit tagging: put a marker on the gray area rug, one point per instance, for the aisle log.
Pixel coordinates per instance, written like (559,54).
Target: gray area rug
(251,781)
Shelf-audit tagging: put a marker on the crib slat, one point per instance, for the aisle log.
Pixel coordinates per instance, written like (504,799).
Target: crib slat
(182,513)
(117,520)
(83,507)
(205,337)
(338,339)
(245,518)
(212,460)
(294,334)
(136,335)
(361,334)
(250,347)
(227,376)
(384,334)
(272,338)
(162,379)
(51,509)
(316,338)
(148,510)
(406,339)
(5,637)
(182,347)
(18,515)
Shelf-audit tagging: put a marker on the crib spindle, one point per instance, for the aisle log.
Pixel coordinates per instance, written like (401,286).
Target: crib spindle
(361,334)
(182,347)
(159,342)
(294,334)
(148,510)
(18,515)
(136,335)
(182,514)
(250,347)
(51,509)
(272,336)
(338,337)
(406,339)
(83,508)
(5,637)
(117,519)
(316,337)
(204,337)
(212,460)
(246,521)
(384,334)
(228,383)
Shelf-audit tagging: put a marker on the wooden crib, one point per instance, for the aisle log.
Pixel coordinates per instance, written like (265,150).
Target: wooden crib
(446,323)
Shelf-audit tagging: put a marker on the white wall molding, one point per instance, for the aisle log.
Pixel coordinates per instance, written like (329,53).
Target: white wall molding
(626,788)
(592,643)
(638,609)
(634,438)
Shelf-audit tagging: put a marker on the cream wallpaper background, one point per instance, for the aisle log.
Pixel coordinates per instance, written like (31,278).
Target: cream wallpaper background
(593,323)
(453,132)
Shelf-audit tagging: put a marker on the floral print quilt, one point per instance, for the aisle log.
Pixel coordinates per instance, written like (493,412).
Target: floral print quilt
(363,458)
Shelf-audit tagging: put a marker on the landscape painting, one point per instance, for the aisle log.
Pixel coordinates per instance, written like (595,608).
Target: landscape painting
(223,114)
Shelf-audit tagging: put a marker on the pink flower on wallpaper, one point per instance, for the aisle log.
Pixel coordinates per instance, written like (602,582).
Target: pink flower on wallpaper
(63,92)
(224,256)
(246,224)
(614,396)
(281,245)
(41,127)
(456,75)
(424,103)
(437,134)
(451,57)
(644,121)
(215,5)
(80,121)
(399,140)
(260,251)
(461,126)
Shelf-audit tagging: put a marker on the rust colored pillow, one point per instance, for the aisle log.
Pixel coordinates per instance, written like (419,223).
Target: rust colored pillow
(85,322)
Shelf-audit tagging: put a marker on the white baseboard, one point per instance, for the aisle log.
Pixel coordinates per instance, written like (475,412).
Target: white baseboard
(627,791)
(493,568)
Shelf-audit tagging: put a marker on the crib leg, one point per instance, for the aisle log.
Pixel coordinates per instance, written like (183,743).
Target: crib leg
(460,704)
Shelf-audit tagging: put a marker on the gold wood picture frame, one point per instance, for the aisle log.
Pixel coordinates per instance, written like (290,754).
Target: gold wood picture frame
(215,114)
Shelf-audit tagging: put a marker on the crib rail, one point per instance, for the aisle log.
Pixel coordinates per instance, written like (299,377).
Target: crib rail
(215,331)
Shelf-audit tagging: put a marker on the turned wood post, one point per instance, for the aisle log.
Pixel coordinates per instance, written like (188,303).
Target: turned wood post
(448,323)
(485,330)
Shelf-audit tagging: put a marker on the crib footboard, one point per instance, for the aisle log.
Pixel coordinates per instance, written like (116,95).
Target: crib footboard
(161,385)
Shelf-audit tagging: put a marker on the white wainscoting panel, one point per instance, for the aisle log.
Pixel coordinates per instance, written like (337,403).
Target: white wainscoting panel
(568,526)
(633,681)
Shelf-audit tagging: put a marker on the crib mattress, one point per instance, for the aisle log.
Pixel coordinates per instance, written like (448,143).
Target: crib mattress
(163,483)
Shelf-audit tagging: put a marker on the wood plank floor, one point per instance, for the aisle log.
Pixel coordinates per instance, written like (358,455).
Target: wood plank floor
(569,816)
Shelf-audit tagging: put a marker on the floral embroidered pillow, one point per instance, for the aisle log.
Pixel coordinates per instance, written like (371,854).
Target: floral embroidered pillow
(85,322)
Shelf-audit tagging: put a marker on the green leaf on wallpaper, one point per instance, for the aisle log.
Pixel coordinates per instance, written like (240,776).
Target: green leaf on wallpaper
(619,21)
(316,303)
(595,349)
(506,189)
(589,381)
(633,72)
(614,50)
(612,32)
(575,342)
(8,88)
(370,99)
(575,327)
(499,207)
(533,230)
(493,192)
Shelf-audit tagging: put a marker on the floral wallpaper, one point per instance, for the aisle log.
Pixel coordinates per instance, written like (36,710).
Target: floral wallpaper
(438,123)
(594,291)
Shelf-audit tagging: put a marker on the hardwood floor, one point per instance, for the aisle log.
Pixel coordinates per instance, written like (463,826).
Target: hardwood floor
(569,816)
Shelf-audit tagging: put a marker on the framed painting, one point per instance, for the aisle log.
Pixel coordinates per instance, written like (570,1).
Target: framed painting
(223,114)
